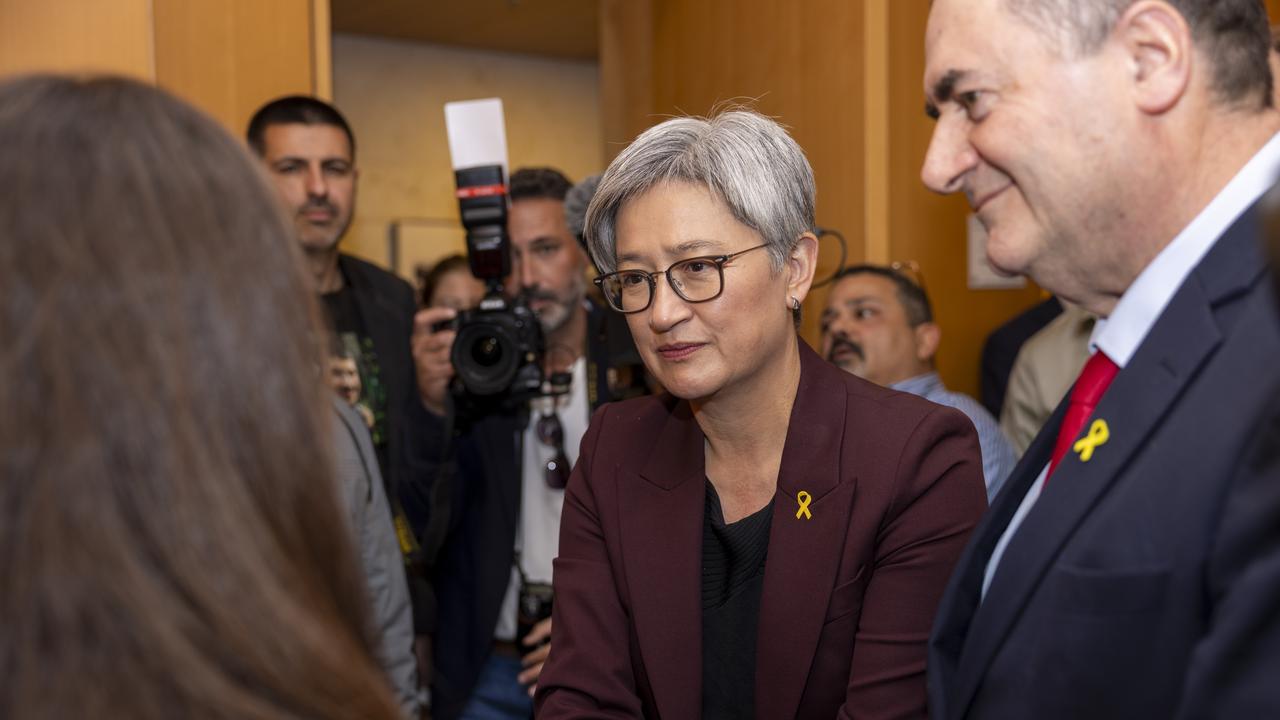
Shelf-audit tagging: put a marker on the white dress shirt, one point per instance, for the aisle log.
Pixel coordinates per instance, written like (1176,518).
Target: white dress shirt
(1120,334)
(538,530)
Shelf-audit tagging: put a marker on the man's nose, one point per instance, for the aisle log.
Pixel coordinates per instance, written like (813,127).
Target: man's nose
(524,273)
(949,158)
(317,185)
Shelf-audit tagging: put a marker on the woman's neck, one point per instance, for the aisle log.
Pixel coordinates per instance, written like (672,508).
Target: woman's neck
(746,430)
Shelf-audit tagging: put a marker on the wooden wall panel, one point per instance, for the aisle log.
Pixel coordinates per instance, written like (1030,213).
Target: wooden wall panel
(626,72)
(229,56)
(928,228)
(76,36)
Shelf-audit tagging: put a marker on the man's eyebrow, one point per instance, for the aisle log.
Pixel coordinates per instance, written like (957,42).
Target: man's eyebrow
(942,91)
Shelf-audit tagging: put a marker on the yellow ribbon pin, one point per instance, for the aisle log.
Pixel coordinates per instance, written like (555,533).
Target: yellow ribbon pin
(1098,435)
(804,499)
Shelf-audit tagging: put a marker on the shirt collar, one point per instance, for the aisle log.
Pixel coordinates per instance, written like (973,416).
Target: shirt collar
(1120,334)
(919,385)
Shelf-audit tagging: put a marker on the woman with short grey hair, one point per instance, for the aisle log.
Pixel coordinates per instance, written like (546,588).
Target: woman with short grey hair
(713,561)
(746,159)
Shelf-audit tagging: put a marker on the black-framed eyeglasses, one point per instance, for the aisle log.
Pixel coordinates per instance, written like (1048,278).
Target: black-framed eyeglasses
(696,279)
(551,433)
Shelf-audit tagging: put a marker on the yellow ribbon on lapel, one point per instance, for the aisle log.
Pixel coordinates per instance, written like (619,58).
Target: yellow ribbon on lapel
(804,499)
(1098,435)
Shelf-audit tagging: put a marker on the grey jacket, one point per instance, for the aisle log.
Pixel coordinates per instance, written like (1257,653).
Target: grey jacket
(366,503)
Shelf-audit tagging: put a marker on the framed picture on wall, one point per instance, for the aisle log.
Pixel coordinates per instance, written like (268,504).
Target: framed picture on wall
(414,243)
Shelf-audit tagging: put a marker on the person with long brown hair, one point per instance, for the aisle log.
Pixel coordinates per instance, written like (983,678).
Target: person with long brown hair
(171,539)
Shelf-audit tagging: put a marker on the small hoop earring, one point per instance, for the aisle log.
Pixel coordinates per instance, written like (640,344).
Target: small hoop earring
(795,304)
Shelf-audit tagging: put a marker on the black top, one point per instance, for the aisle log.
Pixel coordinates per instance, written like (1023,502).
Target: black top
(733,559)
(354,343)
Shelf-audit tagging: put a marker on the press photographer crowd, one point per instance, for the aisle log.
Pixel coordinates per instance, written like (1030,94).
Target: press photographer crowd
(589,467)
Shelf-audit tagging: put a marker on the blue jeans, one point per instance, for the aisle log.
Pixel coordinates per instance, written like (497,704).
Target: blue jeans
(498,695)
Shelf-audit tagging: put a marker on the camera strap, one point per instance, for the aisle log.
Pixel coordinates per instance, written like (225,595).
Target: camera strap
(524,579)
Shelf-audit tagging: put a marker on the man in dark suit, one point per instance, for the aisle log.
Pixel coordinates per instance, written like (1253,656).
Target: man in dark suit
(1116,151)
(309,153)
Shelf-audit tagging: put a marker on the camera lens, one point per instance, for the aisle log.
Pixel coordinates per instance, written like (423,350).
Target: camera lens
(486,351)
(485,355)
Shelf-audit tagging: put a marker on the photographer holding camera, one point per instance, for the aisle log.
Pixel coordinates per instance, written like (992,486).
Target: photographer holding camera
(505,457)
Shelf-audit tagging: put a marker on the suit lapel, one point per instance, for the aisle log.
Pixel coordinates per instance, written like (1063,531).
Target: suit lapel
(804,553)
(964,592)
(661,527)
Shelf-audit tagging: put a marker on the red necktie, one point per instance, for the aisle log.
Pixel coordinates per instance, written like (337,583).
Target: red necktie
(1097,374)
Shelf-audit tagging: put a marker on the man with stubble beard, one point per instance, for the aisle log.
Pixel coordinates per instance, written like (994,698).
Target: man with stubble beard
(508,466)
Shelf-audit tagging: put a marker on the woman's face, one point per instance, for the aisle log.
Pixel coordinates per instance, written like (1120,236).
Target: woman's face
(700,350)
(459,290)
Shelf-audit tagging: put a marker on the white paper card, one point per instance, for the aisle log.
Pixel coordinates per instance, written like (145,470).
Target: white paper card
(981,275)
(477,133)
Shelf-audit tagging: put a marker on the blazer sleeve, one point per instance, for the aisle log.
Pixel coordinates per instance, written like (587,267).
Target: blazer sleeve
(938,500)
(1233,667)
(588,673)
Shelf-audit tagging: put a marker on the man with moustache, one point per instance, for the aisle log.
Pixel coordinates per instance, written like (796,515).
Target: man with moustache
(308,150)
(309,153)
(878,324)
(507,467)
(1116,152)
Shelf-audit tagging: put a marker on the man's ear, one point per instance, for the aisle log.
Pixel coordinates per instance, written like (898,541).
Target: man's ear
(800,266)
(928,337)
(1161,51)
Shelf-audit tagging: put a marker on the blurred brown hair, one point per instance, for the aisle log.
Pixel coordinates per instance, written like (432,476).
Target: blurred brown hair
(171,543)
(429,280)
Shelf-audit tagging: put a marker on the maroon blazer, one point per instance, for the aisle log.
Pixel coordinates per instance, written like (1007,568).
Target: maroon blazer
(849,594)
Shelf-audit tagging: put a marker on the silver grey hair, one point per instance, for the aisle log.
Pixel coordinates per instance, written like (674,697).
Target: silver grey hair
(747,160)
(1235,35)
(576,202)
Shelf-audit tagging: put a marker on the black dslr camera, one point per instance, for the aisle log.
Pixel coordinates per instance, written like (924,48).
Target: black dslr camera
(498,350)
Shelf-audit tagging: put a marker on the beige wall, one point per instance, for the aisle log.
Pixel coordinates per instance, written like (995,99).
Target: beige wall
(393,94)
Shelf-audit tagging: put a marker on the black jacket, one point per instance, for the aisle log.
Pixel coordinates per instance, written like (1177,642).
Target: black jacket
(387,305)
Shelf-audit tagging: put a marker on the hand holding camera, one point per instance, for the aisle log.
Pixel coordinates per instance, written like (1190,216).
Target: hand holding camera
(431,350)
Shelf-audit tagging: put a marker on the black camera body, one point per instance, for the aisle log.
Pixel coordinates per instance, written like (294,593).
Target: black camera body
(499,347)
